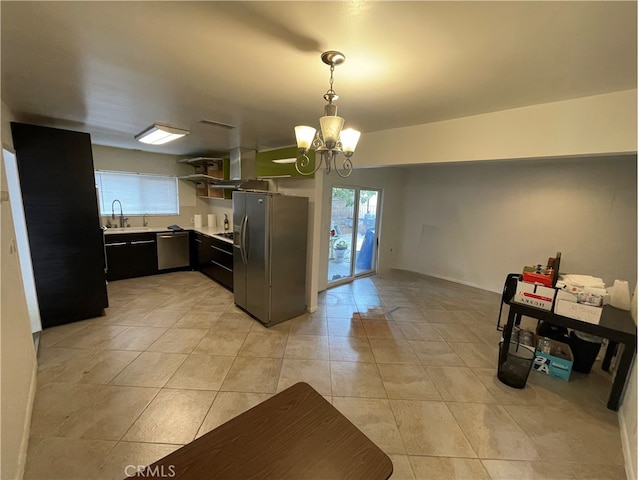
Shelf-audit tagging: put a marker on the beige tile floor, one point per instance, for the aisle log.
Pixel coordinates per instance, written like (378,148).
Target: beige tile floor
(409,359)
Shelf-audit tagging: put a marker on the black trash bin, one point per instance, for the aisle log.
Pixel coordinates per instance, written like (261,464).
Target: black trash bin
(585,348)
(554,332)
(515,365)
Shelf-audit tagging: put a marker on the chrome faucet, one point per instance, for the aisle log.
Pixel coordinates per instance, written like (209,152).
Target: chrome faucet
(145,220)
(113,215)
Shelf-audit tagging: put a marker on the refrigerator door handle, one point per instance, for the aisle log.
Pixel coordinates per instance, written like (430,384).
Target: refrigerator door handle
(243,239)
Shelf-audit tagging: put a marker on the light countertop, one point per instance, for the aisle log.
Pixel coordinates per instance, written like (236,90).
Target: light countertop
(209,231)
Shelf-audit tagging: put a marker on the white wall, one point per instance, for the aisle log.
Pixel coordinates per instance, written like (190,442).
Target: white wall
(392,183)
(119,159)
(474,223)
(601,124)
(22,239)
(17,354)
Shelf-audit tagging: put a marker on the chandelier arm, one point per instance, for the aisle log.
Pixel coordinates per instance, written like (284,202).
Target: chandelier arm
(304,162)
(347,166)
(318,141)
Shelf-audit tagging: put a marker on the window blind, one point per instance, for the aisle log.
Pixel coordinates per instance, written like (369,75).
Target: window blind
(139,193)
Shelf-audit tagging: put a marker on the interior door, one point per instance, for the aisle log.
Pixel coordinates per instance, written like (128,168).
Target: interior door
(353,245)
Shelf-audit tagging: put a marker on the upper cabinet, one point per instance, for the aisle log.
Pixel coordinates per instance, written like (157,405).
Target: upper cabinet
(209,172)
(281,163)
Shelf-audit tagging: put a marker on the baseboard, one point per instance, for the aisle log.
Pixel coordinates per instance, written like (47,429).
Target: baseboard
(24,444)
(456,280)
(626,450)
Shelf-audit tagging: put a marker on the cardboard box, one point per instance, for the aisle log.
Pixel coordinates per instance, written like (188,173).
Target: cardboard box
(579,311)
(535,295)
(214,169)
(556,362)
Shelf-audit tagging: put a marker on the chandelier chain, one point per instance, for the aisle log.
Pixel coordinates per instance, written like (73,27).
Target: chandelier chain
(331,93)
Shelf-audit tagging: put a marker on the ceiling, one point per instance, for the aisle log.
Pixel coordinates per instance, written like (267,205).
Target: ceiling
(113,68)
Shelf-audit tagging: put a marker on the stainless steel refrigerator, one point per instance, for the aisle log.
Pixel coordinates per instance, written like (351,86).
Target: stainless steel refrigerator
(270,255)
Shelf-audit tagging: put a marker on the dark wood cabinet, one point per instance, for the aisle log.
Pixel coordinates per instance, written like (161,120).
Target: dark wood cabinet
(221,263)
(117,257)
(131,255)
(61,213)
(144,255)
(202,248)
(214,258)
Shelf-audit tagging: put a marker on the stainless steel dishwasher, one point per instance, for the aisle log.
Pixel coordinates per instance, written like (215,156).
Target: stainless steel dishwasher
(173,250)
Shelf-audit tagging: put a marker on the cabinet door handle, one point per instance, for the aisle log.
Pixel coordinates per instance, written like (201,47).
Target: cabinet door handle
(175,235)
(199,241)
(143,241)
(118,244)
(221,266)
(221,250)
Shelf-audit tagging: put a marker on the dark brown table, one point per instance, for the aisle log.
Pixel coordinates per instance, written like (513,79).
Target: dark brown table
(295,434)
(615,324)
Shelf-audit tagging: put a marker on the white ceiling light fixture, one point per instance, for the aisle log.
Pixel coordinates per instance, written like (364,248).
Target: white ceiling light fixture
(332,140)
(158,134)
(285,160)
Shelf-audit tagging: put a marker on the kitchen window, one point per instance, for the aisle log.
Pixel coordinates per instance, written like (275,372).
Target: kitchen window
(139,193)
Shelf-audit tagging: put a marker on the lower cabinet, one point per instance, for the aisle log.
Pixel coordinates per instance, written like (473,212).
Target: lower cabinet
(214,259)
(202,251)
(131,255)
(221,264)
(136,255)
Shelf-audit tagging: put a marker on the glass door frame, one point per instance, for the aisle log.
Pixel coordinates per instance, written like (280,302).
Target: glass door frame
(354,235)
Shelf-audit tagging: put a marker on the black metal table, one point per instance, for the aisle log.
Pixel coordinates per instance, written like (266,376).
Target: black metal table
(615,325)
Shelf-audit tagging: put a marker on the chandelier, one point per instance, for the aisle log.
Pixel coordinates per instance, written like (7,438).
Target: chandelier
(331,141)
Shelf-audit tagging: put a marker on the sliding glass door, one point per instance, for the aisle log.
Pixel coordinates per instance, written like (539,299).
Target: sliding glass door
(354,240)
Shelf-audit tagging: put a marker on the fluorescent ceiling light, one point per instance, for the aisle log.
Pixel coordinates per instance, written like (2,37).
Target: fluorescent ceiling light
(285,160)
(158,134)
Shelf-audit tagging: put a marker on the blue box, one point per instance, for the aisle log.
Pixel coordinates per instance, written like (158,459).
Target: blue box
(556,362)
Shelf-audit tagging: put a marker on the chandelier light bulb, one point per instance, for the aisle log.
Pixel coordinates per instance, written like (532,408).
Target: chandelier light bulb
(349,139)
(331,127)
(304,136)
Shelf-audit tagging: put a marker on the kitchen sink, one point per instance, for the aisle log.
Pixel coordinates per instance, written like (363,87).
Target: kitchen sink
(131,230)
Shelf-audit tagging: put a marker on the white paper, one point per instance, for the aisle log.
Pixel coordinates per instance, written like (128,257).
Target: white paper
(584,313)
(583,280)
